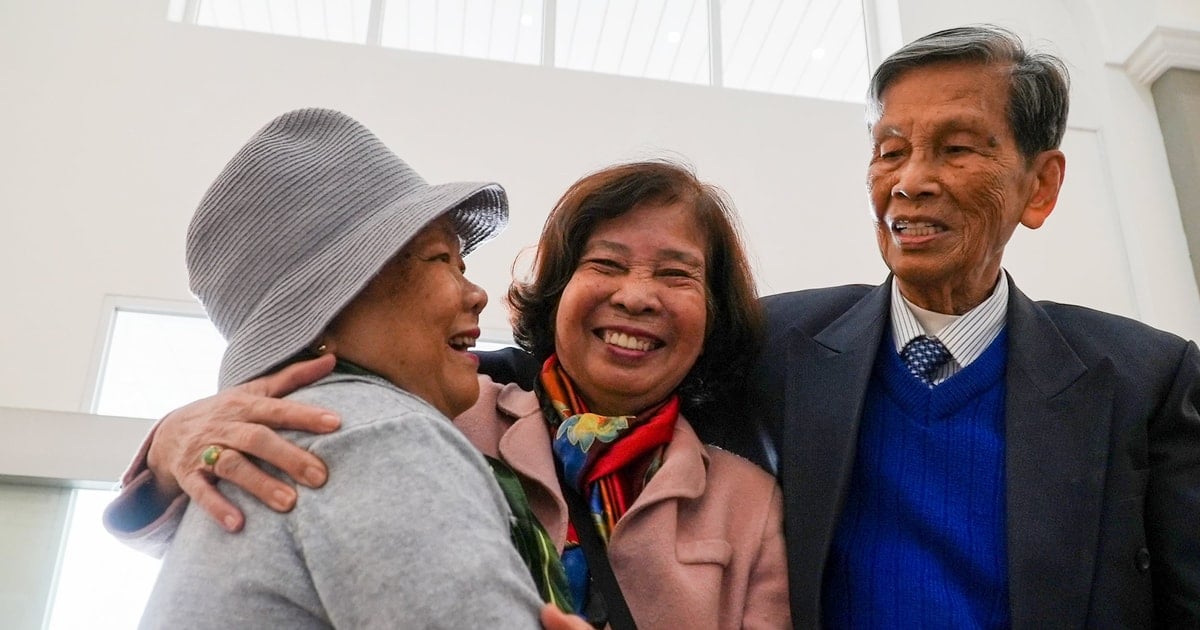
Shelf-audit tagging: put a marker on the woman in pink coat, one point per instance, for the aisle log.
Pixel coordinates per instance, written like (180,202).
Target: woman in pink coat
(640,309)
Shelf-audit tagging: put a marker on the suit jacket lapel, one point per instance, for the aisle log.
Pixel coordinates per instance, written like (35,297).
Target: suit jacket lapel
(826,381)
(1057,418)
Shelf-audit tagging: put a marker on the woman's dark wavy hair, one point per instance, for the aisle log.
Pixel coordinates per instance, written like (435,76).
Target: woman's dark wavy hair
(735,319)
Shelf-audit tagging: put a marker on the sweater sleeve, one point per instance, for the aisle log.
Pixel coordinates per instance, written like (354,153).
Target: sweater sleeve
(134,517)
(411,531)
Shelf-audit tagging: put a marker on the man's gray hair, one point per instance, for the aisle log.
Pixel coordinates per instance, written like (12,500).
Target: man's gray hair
(1038,103)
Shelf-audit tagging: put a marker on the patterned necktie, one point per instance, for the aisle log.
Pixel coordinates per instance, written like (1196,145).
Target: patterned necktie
(924,355)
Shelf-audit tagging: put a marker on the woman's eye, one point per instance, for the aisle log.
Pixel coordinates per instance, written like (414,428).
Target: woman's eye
(604,263)
(443,257)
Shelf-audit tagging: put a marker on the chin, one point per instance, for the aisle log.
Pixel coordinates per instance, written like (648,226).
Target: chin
(912,269)
(464,399)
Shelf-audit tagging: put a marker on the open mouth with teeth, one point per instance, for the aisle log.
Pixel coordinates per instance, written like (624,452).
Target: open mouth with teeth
(462,343)
(629,342)
(916,228)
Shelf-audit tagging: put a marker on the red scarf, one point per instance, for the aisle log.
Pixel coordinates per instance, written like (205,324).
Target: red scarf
(608,458)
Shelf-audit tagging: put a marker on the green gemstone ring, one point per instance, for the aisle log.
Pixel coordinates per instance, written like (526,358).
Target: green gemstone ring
(211,454)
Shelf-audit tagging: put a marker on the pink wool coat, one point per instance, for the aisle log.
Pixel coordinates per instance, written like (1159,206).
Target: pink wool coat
(702,547)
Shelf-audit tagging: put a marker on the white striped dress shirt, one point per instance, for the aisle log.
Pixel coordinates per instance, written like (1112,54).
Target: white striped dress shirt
(965,336)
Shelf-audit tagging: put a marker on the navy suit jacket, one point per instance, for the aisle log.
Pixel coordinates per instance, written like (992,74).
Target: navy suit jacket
(1102,453)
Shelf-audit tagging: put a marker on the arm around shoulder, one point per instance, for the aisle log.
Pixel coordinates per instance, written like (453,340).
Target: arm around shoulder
(140,516)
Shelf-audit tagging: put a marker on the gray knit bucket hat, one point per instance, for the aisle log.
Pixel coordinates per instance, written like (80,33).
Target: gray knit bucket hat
(297,224)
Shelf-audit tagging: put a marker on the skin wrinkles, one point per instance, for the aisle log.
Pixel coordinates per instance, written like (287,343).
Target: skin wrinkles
(641,274)
(695,265)
(945,156)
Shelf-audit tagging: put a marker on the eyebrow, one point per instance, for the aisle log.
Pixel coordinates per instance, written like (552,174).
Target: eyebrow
(956,123)
(663,254)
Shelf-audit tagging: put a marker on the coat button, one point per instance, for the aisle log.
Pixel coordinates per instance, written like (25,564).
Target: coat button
(1143,560)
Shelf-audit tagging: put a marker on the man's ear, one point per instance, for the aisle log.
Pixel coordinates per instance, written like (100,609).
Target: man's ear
(1048,170)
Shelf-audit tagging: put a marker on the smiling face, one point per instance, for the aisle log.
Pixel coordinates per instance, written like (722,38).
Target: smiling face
(632,319)
(949,185)
(415,321)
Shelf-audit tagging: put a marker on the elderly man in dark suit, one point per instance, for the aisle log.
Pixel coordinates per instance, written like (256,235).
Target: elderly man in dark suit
(952,453)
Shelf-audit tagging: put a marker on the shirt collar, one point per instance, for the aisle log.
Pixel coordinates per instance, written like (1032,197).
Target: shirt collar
(966,336)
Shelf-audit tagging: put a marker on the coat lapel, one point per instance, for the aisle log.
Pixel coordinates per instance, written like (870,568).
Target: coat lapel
(1057,418)
(525,447)
(825,381)
(683,475)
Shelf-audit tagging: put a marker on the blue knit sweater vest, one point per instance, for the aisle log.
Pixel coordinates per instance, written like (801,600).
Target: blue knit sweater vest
(921,539)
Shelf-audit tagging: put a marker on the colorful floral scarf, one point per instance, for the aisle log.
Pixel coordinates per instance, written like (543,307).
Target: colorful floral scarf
(609,459)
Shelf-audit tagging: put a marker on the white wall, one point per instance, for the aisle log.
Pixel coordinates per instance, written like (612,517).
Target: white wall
(116,121)
(1123,25)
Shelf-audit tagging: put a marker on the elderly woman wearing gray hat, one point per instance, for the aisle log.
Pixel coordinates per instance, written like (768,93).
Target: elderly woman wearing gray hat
(317,239)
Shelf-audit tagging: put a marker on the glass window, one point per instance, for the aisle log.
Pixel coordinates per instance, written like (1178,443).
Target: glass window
(813,48)
(333,20)
(503,30)
(154,362)
(101,583)
(657,39)
(816,48)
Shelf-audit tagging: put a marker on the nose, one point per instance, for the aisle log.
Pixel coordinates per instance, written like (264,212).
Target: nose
(636,294)
(916,178)
(474,296)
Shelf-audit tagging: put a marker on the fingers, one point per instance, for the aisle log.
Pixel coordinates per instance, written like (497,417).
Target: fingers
(239,441)
(555,619)
(292,377)
(234,467)
(240,420)
(285,414)
(204,494)
(267,445)
(261,402)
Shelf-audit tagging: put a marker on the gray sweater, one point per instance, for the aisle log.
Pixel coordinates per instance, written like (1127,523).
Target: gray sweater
(411,531)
